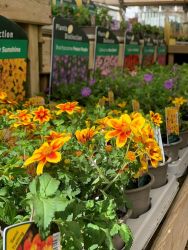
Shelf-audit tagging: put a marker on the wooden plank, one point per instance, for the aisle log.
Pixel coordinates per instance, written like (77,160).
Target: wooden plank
(174,232)
(45,55)
(32,31)
(178,49)
(27,11)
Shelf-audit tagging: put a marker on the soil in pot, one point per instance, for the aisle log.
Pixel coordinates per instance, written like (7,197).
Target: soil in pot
(138,195)
(160,173)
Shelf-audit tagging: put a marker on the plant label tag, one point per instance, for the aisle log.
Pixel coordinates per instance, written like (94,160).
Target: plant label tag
(172,122)
(26,236)
(135,105)
(158,138)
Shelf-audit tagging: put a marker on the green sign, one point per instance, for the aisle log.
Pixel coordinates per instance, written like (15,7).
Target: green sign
(13,55)
(106,43)
(68,39)
(13,40)
(162,50)
(132,45)
(70,55)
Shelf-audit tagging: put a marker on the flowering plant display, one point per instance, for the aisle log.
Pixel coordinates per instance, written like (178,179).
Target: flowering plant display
(74,162)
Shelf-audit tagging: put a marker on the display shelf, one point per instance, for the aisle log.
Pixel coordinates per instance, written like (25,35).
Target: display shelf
(145,226)
(179,167)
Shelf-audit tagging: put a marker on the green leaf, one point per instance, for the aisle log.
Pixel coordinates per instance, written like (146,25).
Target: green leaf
(48,185)
(126,235)
(115,229)
(3,191)
(95,246)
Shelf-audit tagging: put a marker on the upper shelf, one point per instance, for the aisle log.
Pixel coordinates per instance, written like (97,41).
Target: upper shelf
(142,2)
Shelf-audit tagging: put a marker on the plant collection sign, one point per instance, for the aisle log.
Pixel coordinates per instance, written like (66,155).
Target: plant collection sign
(132,51)
(13,55)
(148,52)
(161,53)
(106,51)
(70,55)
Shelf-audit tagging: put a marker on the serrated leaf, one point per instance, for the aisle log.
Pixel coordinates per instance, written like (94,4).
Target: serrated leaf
(48,185)
(44,210)
(60,203)
(33,186)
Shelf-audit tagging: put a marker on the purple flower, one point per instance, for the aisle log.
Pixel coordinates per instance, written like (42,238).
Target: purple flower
(168,84)
(148,77)
(85,91)
(92,82)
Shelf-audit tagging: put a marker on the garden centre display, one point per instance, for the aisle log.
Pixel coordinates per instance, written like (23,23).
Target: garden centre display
(13,55)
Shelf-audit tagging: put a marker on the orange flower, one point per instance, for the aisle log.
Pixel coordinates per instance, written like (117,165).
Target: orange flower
(156,118)
(85,135)
(55,135)
(22,116)
(69,107)
(131,156)
(46,153)
(41,115)
(153,151)
(121,130)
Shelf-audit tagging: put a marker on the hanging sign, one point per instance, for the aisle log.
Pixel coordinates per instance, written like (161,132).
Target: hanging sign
(172,123)
(106,51)
(26,236)
(132,51)
(161,53)
(13,55)
(148,52)
(70,55)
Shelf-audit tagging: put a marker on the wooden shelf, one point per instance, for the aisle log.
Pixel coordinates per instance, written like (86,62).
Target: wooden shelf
(178,49)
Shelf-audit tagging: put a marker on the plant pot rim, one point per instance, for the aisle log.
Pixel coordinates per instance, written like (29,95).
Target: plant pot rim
(173,143)
(162,164)
(134,190)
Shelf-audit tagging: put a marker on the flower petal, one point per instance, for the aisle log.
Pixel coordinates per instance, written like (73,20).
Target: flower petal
(54,157)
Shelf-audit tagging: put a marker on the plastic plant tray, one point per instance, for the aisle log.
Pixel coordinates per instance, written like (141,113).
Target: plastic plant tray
(179,167)
(145,225)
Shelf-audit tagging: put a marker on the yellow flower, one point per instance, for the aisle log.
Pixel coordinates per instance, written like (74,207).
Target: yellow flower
(156,118)
(3,95)
(121,130)
(122,105)
(46,153)
(69,107)
(85,135)
(178,101)
(55,135)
